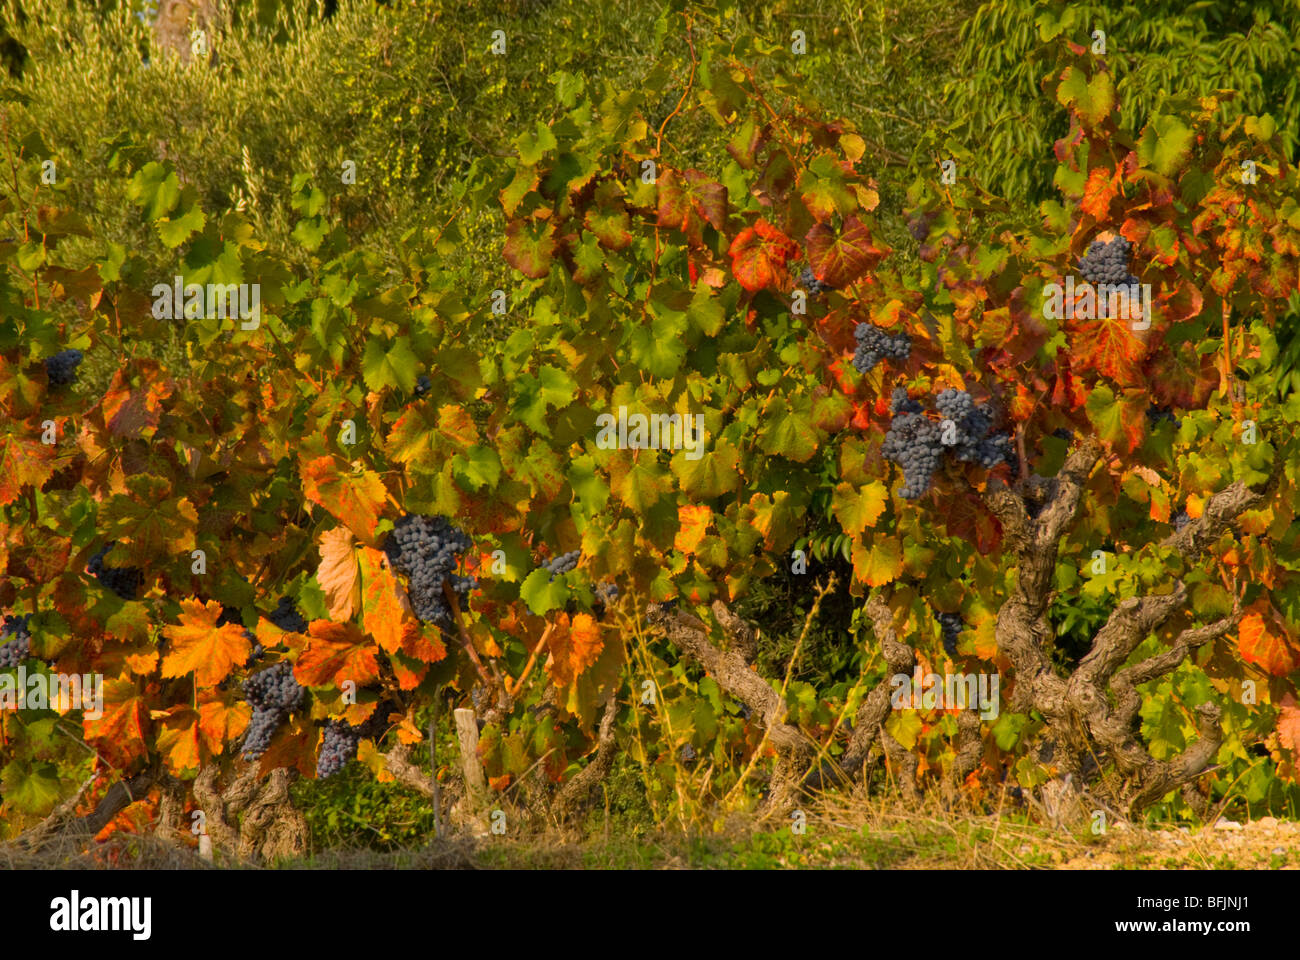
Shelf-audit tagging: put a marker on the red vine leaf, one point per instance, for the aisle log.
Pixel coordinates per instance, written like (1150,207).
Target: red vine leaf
(1102,187)
(689,200)
(840,258)
(23,461)
(1110,346)
(385,616)
(759,254)
(118,734)
(129,409)
(1288,724)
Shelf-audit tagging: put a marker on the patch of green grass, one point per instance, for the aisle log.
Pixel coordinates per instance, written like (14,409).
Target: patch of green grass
(351,809)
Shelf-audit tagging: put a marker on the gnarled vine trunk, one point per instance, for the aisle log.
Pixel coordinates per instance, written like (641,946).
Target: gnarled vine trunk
(1092,713)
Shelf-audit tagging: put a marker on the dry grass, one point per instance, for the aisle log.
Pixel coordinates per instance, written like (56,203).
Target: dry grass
(124,852)
(841,832)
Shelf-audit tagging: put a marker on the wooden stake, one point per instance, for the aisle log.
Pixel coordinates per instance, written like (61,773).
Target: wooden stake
(467,734)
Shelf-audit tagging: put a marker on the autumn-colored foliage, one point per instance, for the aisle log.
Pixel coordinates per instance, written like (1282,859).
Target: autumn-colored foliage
(277,460)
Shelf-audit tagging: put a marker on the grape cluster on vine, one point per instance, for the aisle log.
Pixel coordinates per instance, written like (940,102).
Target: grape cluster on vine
(15,641)
(286,616)
(808,281)
(1181,519)
(426,551)
(970,426)
(913,443)
(273,694)
(952,625)
(1156,414)
(340,741)
(558,566)
(1107,262)
(971,440)
(123,581)
(955,405)
(874,344)
(917,444)
(900,402)
(62,367)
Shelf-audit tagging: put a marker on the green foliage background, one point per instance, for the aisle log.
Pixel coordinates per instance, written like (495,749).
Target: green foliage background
(1156,49)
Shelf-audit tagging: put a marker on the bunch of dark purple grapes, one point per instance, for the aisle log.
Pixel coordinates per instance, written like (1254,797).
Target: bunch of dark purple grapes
(952,626)
(917,444)
(123,581)
(1156,414)
(340,742)
(913,443)
(273,694)
(15,641)
(62,367)
(1107,262)
(426,551)
(808,281)
(874,344)
(558,566)
(286,616)
(971,439)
